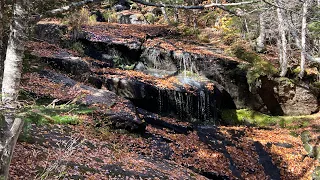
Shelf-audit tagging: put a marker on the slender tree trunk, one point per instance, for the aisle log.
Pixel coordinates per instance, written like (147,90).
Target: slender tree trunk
(10,128)
(14,55)
(260,42)
(298,44)
(1,35)
(280,51)
(195,21)
(164,12)
(10,125)
(176,15)
(303,37)
(283,45)
(3,38)
(165,15)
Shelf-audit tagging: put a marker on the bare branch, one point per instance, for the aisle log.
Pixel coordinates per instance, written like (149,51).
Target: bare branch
(230,4)
(280,7)
(69,7)
(167,5)
(217,5)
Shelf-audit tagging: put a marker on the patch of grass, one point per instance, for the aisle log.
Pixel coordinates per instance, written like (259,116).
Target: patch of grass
(92,19)
(63,114)
(42,115)
(250,117)
(294,134)
(245,116)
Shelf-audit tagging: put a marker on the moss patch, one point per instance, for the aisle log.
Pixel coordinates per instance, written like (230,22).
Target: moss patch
(250,117)
(63,114)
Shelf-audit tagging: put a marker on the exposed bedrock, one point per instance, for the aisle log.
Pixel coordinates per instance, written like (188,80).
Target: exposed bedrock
(147,50)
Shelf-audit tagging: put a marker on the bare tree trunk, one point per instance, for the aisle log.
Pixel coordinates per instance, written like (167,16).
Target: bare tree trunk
(303,37)
(14,55)
(3,38)
(164,12)
(298,44)
(2,55)
(195,21)
(260,42)
(11,126)
(280,51)
(176,15)
(283,45)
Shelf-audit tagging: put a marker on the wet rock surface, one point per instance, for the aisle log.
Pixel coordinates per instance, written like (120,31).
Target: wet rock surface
(189,96)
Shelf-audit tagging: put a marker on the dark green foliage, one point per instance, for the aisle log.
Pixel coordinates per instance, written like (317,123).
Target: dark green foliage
(78,47)
(256,66)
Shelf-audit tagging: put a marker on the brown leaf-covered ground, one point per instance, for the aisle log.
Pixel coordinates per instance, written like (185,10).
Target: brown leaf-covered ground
(160,153)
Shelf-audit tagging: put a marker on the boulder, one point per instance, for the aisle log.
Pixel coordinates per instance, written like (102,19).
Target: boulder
(227,73)
(293,98)
(131,18)
(296,99)
(68,64)
(50,32)
(120,7)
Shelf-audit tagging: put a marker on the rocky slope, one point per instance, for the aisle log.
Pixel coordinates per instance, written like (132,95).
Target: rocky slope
(146,80)
(160,51)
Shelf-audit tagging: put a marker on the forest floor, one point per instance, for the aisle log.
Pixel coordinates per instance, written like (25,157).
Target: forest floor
(84,151)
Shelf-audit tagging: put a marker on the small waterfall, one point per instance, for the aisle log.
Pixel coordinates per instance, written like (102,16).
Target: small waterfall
(185,62)
(202,105)
(194,104)
(154,56)
(187,106)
